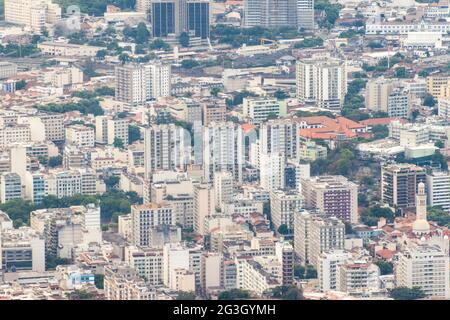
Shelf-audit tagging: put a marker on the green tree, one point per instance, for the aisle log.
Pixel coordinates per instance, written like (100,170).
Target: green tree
(280,94)
(51,262)
(404,293)
(287,293)
(21,85)
(142,33)
(184,39)
(215,91)
(183,295)
(101,54)
(118,143)
(124,58)
(283,229)
(371,215)
(81,295)
(385,267)
(189,64)
(111,182)
(400,72)
(234,294)
(429,101)
(99,280)
(55,161)
(134,133)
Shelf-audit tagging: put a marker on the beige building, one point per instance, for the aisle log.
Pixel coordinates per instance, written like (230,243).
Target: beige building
(204,206)
(67,49)
(438,86)
(214,113)
(34,14)
(80,135)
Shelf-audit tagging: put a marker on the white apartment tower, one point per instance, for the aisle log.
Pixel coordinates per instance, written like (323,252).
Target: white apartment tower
(139,83)
(223,149)
(166,147)
(438,189)
(223,188)
(322,82)
(424,266)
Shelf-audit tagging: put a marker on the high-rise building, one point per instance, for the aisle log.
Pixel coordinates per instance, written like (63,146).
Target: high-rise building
(214,113)
(223,188)
(223,149)
(324,234)
(10,187)
(259,109)
(377,93)
(438,189)
(332,195)
(283,205)
(147,216)
(198,14)
(204,206)
(322,82)
(138,83)
(272,171)
(424,266)
(399,184)
(166,147)
(279,136)
(305,14)
(327,268)
(285,254)
(172,17)
(315,234)
(398,104)
(358,276)
(80,135)
(270,13)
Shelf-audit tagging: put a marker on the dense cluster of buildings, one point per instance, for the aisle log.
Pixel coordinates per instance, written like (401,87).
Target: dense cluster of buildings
(146,156)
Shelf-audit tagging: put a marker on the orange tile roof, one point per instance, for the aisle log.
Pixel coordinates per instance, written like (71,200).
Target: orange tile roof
(246,127)
(330,128)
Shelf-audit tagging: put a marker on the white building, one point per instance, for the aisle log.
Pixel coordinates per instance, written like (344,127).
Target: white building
(259,109)
(438,190)
(35,15)
(166,147)
(138,83)
(223,149)
(322,82)
(283,205)
(424,266)
(327,268)
(81,136)
(147,216)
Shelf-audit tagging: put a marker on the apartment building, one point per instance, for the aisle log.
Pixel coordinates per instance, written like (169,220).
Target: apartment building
(399,184)
(80,135)
(147,216)
(424,266)
(333,195)
(322,82)
(283,205)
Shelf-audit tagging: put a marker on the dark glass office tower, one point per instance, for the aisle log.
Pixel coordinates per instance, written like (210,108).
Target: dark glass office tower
(198,18)
(163,18)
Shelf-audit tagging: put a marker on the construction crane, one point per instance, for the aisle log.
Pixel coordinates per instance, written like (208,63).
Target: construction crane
(273,42)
